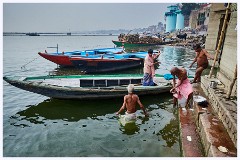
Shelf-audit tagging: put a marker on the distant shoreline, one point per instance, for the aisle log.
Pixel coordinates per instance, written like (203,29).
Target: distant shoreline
(62,35)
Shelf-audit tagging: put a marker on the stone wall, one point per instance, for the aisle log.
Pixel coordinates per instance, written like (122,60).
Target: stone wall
(225,109)
(229,54)
(218,7)
(216,11)
(193,19)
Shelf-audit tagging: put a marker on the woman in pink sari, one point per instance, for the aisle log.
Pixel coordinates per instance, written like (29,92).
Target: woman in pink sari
(183,88)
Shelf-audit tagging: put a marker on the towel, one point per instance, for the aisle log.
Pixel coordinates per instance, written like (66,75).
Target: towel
(168,76)
(127,118)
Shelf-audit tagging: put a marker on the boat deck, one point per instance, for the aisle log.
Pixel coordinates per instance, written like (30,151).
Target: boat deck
(98,82)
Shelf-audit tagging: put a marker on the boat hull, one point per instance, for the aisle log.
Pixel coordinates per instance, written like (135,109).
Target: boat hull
(58,59)
(39,86)
(105,65)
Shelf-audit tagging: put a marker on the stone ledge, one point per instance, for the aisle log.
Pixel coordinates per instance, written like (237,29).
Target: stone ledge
(193,147)
(202,121)
(225,109)
(214,135)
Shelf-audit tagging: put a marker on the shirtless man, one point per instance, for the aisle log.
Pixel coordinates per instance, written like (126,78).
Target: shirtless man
(202,62)
(183,87)
(130,102)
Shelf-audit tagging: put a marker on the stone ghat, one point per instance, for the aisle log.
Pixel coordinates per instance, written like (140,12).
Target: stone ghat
(203,133)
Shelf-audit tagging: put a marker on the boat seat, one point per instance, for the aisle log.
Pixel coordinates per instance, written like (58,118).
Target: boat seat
(108,82)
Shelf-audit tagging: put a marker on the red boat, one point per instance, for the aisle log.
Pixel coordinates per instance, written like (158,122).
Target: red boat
(61,60)
(106,64)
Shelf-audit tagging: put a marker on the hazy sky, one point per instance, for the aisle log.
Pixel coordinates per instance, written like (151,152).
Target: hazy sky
(62,17)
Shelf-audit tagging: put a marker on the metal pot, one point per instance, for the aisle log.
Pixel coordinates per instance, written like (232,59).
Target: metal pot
(213,84)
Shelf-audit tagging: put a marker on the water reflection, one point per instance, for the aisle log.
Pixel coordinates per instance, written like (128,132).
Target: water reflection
(170,133)
(161,125)
(129,128)
(61,71)
(66,110)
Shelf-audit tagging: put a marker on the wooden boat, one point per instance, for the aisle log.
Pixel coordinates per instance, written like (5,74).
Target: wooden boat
(127,44)
(108,63)
(32,34)
(88,86)
(62,59)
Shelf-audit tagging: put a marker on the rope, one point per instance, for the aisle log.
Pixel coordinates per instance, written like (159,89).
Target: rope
(23,67)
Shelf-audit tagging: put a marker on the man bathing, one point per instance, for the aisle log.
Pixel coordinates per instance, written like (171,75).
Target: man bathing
(130,102)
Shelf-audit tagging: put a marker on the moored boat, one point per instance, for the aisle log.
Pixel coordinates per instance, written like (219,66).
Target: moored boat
(108,63)
(88,86)
(32,34)
(62,59)
(127,44)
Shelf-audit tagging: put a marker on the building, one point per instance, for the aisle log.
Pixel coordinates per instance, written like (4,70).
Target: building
(180,20)
(186,20)
(193,19)
(199,18)
(152,29)
(203,16)
(226,75)
(160,27)
(174,19)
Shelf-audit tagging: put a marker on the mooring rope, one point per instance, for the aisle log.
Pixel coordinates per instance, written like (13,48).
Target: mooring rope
(23,67)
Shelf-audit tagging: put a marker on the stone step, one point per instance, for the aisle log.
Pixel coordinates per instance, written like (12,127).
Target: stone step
(225,109)
(190,140)
(214,135)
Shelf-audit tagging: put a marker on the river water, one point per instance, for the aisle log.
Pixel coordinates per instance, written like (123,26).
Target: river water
(38,126)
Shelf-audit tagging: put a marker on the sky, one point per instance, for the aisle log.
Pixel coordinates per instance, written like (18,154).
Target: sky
(64,17)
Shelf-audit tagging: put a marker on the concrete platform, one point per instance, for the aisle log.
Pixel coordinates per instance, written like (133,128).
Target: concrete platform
(190,140)
(226,109)
(213,133)
(208,134)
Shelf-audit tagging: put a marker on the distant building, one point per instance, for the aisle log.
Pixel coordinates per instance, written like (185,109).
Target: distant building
(174,19)
(199,18)
(193,19)
(203,16)
(180,20)
(160,27)
(186,20)
(152,29)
